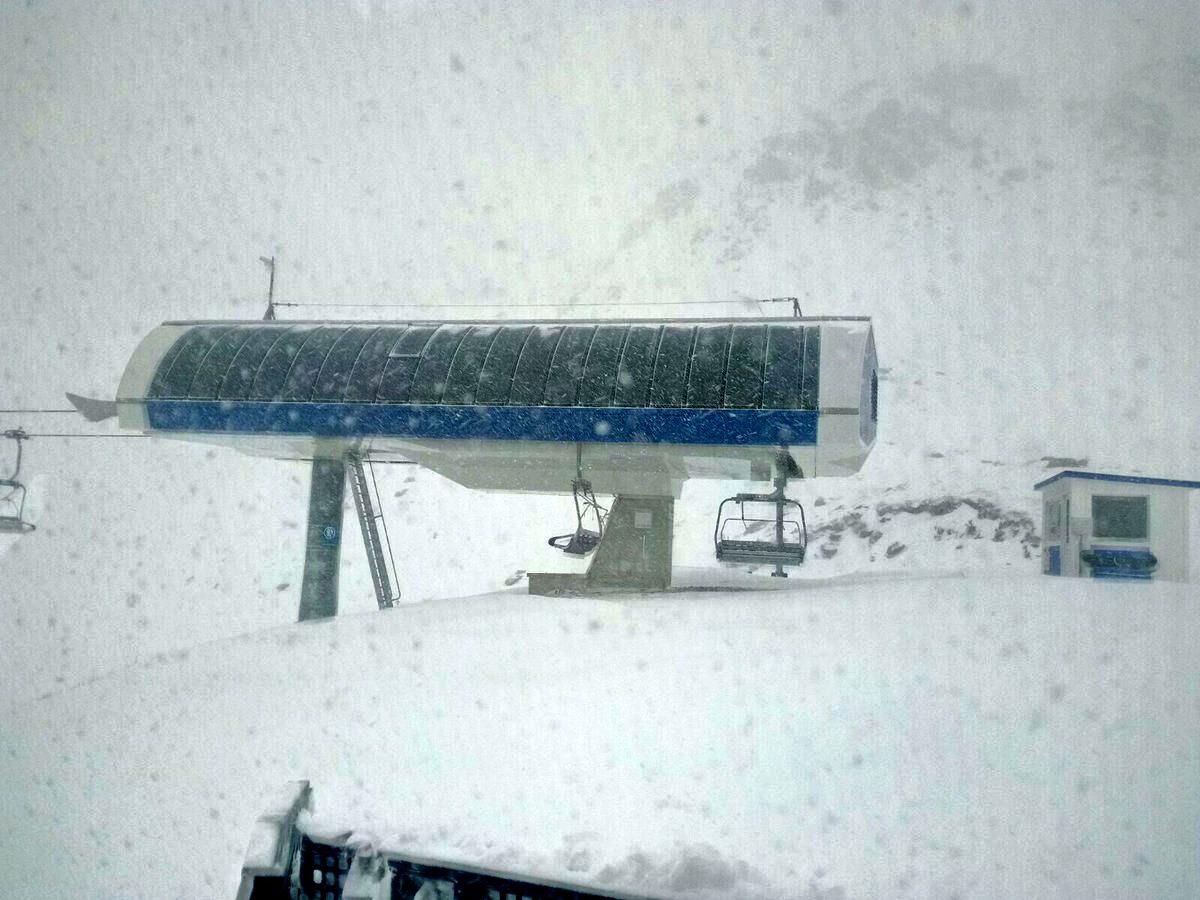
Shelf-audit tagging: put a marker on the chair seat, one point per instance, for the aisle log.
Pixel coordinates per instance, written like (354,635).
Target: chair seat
(759,552)
(581,543)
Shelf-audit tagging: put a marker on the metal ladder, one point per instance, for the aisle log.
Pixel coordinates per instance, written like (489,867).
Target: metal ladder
(370,519)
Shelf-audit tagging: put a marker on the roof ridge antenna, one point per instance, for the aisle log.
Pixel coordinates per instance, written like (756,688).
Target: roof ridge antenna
(269,262)
(795,301)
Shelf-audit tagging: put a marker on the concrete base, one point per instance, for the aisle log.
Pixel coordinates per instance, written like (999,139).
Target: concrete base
(634,554)
(564,584)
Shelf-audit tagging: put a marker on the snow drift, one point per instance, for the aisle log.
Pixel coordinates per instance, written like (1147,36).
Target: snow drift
(940,737)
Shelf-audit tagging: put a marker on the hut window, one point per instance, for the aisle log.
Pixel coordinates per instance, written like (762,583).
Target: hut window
(1053,517)
(1120,517)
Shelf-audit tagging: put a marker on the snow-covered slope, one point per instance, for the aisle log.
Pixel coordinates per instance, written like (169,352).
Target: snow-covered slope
(1010,193)
(983,737)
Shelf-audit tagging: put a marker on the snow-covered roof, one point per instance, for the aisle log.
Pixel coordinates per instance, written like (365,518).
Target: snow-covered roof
(1126,479)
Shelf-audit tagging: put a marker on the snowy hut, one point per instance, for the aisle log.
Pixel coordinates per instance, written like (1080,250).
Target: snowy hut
(1115,526)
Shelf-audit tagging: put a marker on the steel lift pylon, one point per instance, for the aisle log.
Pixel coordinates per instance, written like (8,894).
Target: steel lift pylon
(322,556)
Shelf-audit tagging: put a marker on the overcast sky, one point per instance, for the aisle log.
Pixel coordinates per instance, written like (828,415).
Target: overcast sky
(996,183)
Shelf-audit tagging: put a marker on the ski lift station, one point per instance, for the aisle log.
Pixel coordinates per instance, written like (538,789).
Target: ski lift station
(624,408)
(1115,526)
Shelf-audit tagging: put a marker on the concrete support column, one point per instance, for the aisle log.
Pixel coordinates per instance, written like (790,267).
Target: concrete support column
(635,552)
(323,550)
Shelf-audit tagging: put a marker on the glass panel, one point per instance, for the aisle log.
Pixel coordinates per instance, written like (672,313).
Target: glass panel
(744,379)
(566,367)
(495,381)
(244,368)
(781,382)
(164,365)
(278,362)
(429,382)
(529,381)
(1052,514)
(303,377)
(706,384)
(403,360)
(637,366)
(195,346)
(671,366)
(367,373)
(462,382)
(212,371)
(335,373)
(1119,517)
(600,367)
(810,394)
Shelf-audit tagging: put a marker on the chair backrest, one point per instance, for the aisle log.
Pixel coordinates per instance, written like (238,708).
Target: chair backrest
(759,530)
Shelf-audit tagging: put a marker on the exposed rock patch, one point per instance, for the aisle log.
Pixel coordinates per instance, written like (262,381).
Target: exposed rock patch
(988,521)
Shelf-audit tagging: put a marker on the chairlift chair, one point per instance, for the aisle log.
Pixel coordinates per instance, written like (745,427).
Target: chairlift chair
(12,503)
(12,508)
(779,540)
(582,540)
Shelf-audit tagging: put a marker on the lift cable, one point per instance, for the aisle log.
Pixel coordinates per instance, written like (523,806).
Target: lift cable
(135,436)
(36,412)
(48,434)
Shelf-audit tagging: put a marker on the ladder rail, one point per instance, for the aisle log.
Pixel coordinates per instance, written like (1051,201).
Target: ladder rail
(366,521)
(390,559)
(370,518)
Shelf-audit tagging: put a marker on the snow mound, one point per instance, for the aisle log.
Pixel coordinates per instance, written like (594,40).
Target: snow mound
(863,738)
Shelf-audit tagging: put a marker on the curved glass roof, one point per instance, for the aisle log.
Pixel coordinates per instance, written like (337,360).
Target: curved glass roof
(711,365)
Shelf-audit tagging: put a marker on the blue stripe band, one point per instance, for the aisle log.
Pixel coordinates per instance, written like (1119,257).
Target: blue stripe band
(741,427)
